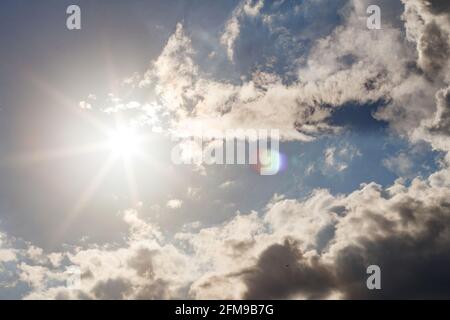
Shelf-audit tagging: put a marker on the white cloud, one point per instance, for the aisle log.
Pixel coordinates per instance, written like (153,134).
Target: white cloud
(232,26)
(85,105)
(174,203)
(400,164)
(230,35)
(7,255)
(336,158)
(227,184)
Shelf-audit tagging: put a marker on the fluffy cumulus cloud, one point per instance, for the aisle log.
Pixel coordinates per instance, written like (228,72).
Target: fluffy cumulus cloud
(321,247)
(199,103)
(314,248)
(404,66)
(298,105)
(6,253)
(417,102)
(146,267)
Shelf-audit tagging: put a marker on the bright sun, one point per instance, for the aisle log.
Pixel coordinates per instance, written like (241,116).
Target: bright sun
(124,141)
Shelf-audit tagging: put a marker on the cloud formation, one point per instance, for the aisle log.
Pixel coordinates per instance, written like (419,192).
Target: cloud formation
(310,248)
(315,248)
(346,63)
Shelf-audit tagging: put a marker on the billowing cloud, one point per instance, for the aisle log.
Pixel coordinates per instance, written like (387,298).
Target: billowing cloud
(441,121)
(403,230)
(319,247)
(346,64)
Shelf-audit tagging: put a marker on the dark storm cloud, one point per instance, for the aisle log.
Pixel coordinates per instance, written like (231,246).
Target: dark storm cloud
(438,6)
(412,268)
(142,262)
(112,289)
(155,290)
(282,271)
(414,265)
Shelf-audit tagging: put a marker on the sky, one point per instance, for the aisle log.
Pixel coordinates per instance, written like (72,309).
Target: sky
(93,205)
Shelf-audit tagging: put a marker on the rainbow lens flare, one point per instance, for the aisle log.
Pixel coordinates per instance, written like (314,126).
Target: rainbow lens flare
(270,162)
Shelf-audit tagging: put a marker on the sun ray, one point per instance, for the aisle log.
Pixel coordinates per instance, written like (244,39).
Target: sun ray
(121,140)
(53,154)
(64,101)
(131,180)
(87,194)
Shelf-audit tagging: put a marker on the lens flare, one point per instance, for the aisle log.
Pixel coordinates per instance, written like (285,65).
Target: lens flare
(270,162)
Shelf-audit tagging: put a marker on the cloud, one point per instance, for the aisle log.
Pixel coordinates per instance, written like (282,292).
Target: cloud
(227,184)
(427,24)
(7,255)
(174,203)
(300,107)
(402,229)
(400,164)
(433,49)
(317,247)
(441,121)
(198,102)
(232,27)
(85,105)
(332,64)
(143,268)
(347,65)
(330,160)
(112,289)
(335,159)
(282,271)
(230,35)
(6,252)
(194,193)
